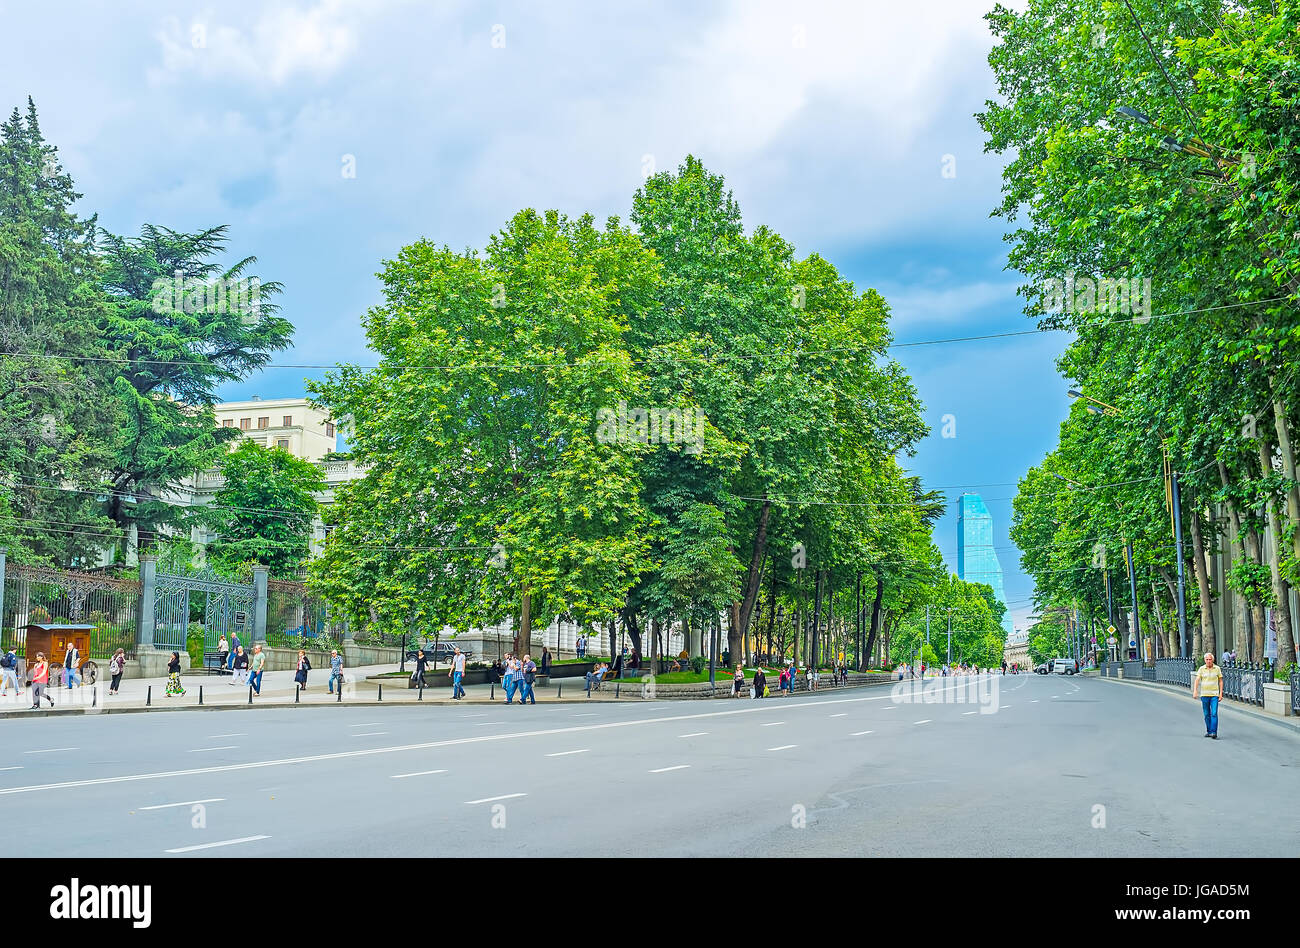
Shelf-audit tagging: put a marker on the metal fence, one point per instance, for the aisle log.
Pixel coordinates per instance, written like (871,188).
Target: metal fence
(1132,669)
(1295,692)
(1243,681)
(1148,673)
(1175,671)
(39,595)
(296,618)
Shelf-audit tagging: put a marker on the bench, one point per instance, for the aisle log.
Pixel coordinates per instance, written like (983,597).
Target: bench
(212,663)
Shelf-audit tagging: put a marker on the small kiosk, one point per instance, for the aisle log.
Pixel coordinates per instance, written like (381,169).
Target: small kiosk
(53,639)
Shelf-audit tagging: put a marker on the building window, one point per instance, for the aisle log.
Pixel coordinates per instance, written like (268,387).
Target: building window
(282,443)
(227,422)
(329,429)
(263,422)
(244,423)
(288,421)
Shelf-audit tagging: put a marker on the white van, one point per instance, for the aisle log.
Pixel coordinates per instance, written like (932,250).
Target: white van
(1064,666)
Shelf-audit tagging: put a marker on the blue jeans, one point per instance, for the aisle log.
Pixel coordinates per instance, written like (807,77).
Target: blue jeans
(73,675)
(1210,706)
(511,685)
(255,679)
(456,690)
(526,692)
(336,675)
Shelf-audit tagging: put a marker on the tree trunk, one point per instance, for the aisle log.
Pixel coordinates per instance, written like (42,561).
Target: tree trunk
(633,631)
(875,616)
(1248,546)
(524,630)
(1281,591)
(1288,468)
(1206,639)
(753,579)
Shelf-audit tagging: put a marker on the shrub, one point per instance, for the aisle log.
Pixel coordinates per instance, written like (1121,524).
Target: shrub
(697,664)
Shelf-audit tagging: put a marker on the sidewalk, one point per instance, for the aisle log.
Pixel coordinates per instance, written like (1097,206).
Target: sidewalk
(1291,723)
(143,695)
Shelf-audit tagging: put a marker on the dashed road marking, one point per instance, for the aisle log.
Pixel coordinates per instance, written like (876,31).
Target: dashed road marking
(224,842)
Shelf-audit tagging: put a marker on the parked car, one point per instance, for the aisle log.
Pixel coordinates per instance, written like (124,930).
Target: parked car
(441,652)
(1043,669)
(1064,666)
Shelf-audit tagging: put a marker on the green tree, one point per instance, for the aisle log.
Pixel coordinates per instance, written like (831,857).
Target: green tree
(265,511)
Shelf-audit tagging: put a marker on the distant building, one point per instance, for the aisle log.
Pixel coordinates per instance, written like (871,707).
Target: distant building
(288,423)
(976,560)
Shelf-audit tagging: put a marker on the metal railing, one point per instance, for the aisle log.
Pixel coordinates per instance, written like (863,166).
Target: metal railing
(1132,669)
(1295,692)
(1148,673)
(1243,681)
(1175,671)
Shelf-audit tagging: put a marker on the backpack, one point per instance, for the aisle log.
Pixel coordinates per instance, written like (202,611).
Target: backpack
(7,661)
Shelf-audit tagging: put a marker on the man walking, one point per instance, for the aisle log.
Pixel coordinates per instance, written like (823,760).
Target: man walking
(71,662)
(255,669)
(336,669)
(9,672)
(457,673)
(1207,684)
(528,672)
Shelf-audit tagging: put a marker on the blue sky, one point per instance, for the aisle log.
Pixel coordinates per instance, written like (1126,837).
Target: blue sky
(831,122)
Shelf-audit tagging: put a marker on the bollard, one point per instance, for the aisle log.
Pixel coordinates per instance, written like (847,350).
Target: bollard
(340,697)
(420,695)
(94,696)
(559,690)
(493,695)
(297,690)
(381,691)
(148,696)
(615,689)
(200,694)
(250,694)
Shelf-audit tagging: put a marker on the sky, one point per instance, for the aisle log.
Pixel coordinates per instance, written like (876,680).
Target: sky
(846,127)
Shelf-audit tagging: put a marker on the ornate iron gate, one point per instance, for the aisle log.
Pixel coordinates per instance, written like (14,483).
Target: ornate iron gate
(220,606)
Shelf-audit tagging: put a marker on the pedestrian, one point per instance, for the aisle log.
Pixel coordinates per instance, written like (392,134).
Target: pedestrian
(223,653)
(528,674)
(781,680)
(809,680)
(1004,666)
(737,682)
(336,669)
(546,661)
(760,683)
(417,676)
(508,679)
(594,677)
(255,667)
(40,675)
(9,672)
(1207,684)
(71,664)
(174,676)
(234,649)
(582,646)
(304,666)
(457,672)
(239,666)
(116,665)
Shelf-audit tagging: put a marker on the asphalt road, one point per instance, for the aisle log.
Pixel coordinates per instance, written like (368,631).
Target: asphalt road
(846,773)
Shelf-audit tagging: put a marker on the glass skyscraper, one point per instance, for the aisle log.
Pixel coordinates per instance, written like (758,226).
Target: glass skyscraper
(976,561)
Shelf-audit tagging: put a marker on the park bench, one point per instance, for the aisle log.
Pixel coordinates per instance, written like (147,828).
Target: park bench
(212,662)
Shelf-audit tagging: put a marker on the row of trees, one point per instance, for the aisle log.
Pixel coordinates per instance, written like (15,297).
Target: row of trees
(1154,144)
(111,352)
(660,423)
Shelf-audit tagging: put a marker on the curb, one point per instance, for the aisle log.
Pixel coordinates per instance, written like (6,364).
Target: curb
(1248,712)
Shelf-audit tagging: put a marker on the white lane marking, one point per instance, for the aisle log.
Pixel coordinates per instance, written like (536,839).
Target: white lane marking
(860,733)
(11,768)
(213,737)
(842,714)
(926,721)
(585,714)
(694,734)
(1033,701)
(504,796)
(224,842)
(664,770)
(787,705)
(964,713)
(1001,706)
(567,753)
(892,707)
(369,724)
(772,723)
(52,750)
(418,773)
(783,747)
(370,734)
(167,806)
(223,747)
(487,723)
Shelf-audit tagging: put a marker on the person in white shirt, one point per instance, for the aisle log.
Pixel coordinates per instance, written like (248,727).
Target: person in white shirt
(457,673)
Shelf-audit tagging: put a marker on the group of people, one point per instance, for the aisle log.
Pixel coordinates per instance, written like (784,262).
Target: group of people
(455,671)
(519,675)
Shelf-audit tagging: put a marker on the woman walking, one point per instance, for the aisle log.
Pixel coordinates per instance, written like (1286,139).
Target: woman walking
(40,674)
(223,653)
(116,665)
(546,661)
(240,666)
(737,682)
(174,676)
(304,666)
